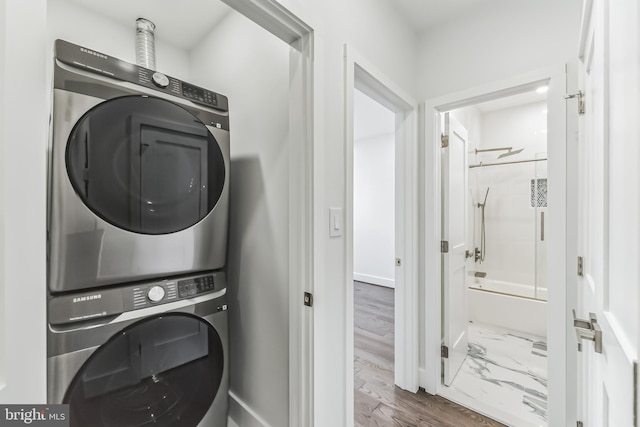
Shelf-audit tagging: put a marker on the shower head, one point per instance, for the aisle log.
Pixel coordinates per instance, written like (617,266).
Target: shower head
(510,153)
(483,204)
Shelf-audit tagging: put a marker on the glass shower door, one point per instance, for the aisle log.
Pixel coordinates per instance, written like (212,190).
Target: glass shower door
(539,201)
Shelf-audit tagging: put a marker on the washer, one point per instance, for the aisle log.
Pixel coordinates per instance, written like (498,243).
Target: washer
(152,353)
(139,171)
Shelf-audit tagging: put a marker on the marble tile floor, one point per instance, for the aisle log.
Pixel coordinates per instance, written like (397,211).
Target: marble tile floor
(507,371)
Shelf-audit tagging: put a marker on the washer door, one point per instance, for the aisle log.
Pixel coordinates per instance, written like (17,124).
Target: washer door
(161,371)
(145,165)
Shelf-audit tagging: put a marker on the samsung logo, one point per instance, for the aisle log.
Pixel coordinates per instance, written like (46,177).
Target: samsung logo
(87,298)
(91,52)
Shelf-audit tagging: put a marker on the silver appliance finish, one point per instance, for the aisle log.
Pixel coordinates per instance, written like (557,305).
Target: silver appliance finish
(84,250)
(70,345)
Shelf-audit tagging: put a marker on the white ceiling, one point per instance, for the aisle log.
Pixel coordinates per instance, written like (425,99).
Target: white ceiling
(182,24)
(423,14)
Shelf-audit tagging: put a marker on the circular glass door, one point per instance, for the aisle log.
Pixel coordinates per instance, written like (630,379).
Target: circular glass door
(145,165)
(163,371)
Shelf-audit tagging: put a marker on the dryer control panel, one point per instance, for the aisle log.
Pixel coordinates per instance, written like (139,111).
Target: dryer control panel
(99,63)
(86,306)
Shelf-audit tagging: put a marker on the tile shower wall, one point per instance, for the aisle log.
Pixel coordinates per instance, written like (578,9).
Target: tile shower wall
(512,223)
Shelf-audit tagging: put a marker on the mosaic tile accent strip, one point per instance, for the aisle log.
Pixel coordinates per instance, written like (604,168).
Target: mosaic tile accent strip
(539,193)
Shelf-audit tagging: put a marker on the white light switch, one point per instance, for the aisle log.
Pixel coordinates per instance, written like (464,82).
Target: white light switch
(335,222)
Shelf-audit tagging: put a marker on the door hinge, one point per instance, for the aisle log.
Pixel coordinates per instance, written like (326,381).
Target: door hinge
(580,266)
(581,101)
(579,424)
(308,299)
(445,140)
(444,351)
(444,247)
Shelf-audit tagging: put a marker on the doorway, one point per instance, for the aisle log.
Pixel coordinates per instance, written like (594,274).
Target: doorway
(495,209)
(374,234)
(559,297)
(362,77)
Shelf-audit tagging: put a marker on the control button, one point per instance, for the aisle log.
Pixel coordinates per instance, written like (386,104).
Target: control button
(160,80)
(156,293)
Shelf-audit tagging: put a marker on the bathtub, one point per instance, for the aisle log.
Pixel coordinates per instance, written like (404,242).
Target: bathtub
(493,302)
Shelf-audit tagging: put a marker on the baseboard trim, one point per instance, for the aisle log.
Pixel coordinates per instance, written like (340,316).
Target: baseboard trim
(422,378)
(242,414)
(374,280)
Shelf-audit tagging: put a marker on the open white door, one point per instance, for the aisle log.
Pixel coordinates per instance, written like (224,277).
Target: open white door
(608,200)
(454,246)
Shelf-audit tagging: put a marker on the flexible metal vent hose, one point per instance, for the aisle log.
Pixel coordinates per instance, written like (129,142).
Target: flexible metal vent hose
(145,44)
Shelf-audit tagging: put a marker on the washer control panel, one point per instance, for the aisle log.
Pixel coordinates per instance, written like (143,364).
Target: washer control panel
(111,301)
(150,294)
(198,285)
(156,294)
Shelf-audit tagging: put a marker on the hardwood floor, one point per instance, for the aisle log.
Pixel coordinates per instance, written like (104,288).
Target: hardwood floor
(377,401)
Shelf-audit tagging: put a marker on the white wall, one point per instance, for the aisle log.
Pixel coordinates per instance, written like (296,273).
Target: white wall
(502,39)
(3,320)
(68,21)
(253,71)
(23,137)
(373,192)
(374,29)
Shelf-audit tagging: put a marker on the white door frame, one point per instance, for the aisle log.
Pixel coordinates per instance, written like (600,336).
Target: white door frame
(298,34)
(360,74)
(560,336)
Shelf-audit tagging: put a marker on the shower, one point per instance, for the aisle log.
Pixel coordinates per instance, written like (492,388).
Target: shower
(510,152)
(481,251)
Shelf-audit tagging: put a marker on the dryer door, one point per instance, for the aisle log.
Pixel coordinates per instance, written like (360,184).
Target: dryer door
(161,371)
(145,165)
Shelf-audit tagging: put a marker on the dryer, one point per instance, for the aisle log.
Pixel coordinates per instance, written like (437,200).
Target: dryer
(139,173)
(151,353)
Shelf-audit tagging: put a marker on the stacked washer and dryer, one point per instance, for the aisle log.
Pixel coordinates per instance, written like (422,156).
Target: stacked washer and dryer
(137,237)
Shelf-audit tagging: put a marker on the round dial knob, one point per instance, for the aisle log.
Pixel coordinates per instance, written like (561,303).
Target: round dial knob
(160,80)
(156,293)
